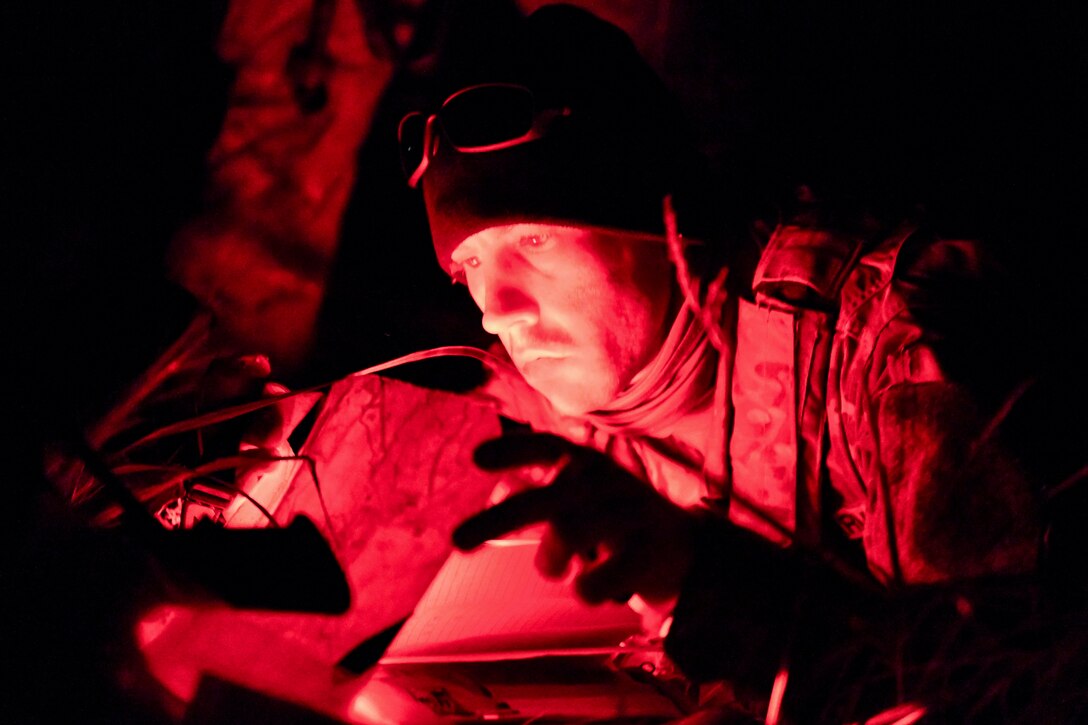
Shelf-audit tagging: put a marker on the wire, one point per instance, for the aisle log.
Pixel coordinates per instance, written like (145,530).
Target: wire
(709,313)
(1068,483)
(311,465)
(225,414)
(241,492)
(778,694)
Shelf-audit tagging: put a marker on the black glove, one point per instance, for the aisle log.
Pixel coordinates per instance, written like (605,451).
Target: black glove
(629,538)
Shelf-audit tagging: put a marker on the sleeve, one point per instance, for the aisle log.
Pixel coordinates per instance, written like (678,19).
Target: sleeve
(762,618)
(747,604)
(927,385)
(945,498)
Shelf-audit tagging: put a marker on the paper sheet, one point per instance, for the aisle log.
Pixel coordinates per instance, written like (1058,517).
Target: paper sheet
(492,604)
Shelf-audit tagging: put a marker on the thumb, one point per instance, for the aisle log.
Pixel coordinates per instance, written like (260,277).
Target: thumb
(274,425)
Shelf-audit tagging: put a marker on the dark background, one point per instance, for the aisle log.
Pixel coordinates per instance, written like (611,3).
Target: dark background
(115,105)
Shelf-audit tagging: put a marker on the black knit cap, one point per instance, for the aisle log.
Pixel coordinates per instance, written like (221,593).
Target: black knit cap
(607,165)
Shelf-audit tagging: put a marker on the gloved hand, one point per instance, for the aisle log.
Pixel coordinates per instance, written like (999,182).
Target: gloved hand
(238,379)
(628,538)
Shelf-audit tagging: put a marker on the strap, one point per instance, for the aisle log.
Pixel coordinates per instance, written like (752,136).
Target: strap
(805,267)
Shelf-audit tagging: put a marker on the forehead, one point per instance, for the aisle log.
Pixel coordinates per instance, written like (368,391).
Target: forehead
(491,237)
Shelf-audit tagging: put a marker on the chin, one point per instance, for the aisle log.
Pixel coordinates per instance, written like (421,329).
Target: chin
(566,405)
(574,399)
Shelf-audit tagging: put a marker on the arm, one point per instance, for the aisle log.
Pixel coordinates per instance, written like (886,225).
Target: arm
(945,497)
(922,439)
(948,501)
(747,609)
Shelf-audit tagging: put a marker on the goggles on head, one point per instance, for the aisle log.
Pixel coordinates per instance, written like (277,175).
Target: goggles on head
(477,119)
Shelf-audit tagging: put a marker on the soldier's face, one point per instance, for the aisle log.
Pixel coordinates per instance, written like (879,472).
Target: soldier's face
(580,312)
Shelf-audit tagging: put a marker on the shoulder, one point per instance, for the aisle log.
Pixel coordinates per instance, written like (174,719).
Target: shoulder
(918,307)
(919,314)
(920,385)
(909,303)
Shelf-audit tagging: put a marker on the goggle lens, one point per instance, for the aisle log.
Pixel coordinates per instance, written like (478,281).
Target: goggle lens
(476,119)
(486,116)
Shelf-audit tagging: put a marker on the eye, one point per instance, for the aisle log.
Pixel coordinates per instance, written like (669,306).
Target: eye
(535,241)
(457,269)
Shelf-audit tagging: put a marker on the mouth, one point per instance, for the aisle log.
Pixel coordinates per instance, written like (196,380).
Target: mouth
(535,358)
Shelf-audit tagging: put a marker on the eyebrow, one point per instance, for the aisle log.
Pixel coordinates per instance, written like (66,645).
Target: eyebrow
(462,252)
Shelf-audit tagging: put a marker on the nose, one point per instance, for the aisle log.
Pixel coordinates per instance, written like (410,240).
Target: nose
(508,304)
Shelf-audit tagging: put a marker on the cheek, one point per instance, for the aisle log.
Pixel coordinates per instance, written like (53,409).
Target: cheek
(643,299)
(651,276)
(634,334)
(475,289)
(625,327)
